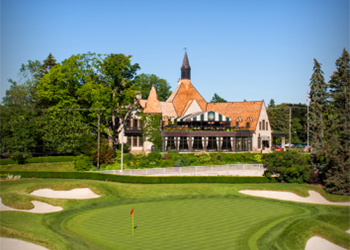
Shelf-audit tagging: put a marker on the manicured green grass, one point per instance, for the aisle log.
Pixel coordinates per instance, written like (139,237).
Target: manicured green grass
(169,216)
(45,166)
(211,223)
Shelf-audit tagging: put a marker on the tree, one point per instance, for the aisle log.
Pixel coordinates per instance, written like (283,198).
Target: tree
(151,129)
(88,82)
(217,98)
(317,107)
(337,147)
(19,117)
(288,165)
(144,83)
(279,120)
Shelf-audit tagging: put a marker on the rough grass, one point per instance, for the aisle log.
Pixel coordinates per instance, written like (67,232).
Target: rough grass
(45,166)
(187,213)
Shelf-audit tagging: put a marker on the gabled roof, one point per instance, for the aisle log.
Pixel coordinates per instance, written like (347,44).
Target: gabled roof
(234,110)
(168,109)
(184,93)
(186,107)
(152,102)
(191,107)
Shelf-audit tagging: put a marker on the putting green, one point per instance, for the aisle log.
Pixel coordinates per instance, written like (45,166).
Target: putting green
(211,223)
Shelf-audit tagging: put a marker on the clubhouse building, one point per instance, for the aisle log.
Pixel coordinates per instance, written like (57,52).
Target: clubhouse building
(192,124)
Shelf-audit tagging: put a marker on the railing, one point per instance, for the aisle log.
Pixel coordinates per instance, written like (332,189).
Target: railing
(133,129)
(203,128)
(229,169)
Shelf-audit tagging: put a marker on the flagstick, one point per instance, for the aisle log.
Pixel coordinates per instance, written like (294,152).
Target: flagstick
(132,223)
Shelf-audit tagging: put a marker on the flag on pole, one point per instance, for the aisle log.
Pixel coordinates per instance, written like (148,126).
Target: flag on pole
(132,221)
(307,97)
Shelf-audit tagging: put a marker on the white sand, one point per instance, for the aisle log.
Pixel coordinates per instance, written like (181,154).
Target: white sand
(77,193)
(39,208)
(14,244)
(314,197)
(318,243)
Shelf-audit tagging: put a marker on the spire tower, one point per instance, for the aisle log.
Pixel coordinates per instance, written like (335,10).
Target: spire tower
(185,68)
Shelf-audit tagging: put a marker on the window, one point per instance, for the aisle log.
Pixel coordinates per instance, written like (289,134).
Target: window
(263,123)
(237,124)
(248,124)
(244,143)
(259,125)
(267,126)
(140,141)
(128,123)
(135,123)
(238,144)
(259,142)
(134,141)
(129,140)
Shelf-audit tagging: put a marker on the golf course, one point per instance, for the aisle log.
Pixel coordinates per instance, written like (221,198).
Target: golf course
(171,216)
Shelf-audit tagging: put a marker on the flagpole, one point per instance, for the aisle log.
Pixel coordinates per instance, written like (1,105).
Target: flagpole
(132,223)
(307,104)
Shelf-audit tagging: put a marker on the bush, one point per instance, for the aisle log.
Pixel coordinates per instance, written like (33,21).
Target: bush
(141,179)
(82,163)
(20,157)
(154,156)
(40,159)
(7,161)
(315,178)
(107,155)
(289,166)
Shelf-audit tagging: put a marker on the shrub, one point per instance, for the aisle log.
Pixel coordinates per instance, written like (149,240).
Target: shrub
(315,178)
(167,157)
(20,157)
(203,157)
(289,166)
(82,163)
(107,155)
(141,179)
(154,156)
(182,161)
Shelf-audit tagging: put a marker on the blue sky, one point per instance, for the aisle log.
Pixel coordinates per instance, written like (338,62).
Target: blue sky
(240,50)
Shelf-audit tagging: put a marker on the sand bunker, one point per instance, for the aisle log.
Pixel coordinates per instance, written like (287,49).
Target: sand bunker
(14,244)
(314,198)
(39,208)
(77,193)
(318,243)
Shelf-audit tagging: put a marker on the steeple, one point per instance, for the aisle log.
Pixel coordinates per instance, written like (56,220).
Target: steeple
(185,68)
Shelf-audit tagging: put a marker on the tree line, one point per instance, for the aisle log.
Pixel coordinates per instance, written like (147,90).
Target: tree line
(53,107)
(329,124)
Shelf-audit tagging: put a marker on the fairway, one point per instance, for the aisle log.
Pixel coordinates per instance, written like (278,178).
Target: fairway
(212,223)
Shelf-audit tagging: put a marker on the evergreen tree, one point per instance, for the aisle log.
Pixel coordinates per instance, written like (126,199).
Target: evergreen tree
(318,99)
(217,98)
(337,149)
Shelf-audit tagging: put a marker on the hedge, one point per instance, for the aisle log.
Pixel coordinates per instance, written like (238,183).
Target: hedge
(40,159)
(141,179)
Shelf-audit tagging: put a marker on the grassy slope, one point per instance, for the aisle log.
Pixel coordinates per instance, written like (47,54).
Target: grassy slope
(51,229)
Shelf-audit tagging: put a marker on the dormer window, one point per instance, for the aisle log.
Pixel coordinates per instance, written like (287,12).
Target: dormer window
(248,125)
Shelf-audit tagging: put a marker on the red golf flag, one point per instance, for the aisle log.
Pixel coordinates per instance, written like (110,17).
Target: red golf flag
(132,211)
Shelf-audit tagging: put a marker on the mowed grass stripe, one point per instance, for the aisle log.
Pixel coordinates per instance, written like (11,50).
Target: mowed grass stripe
(213,223)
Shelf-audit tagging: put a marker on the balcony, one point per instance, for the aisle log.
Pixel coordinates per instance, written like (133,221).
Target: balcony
(203,128)
(133,130)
